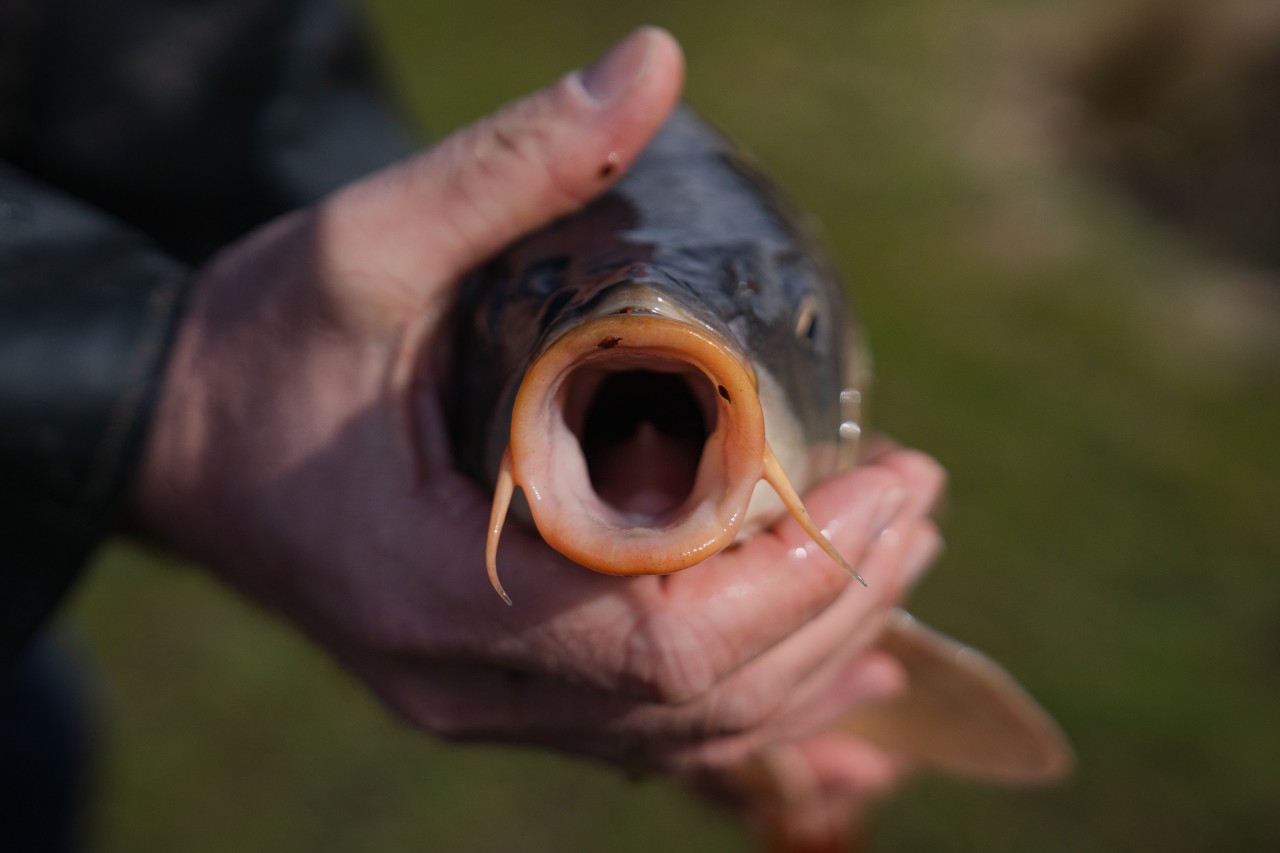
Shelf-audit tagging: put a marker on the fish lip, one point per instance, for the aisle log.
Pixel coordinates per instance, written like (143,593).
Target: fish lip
(549,465)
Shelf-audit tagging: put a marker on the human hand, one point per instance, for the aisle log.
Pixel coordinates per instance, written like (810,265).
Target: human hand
(298,449)
(814,789)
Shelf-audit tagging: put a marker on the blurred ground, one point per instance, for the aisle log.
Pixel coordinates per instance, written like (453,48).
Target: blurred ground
(1105,393)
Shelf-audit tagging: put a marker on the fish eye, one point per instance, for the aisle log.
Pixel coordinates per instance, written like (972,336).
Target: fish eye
(807,320)
(545,277)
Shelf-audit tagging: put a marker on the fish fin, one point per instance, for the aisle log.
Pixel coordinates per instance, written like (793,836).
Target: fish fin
(961,713)
(777,478)
(503,490)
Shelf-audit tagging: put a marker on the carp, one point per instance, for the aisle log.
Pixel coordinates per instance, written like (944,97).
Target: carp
(661,373)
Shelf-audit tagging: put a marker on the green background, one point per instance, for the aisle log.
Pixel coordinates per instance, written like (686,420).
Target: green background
(1105,394)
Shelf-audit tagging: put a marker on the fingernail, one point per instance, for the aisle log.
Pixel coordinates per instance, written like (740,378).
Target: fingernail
(924,551)
(874,678)
(614,73)
(893,500)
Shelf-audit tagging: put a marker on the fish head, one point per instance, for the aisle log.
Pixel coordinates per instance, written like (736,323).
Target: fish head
(638,367)
(638,437)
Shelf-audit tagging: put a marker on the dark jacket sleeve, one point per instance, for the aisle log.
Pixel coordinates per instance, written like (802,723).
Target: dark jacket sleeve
(86,310)
(136,138)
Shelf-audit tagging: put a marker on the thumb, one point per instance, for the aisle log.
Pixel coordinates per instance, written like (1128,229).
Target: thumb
(432,217)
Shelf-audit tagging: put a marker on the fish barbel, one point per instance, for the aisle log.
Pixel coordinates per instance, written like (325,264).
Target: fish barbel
(660,372)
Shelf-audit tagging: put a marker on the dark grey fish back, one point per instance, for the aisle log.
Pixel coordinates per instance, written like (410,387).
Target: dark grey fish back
(694,219)
(723,229)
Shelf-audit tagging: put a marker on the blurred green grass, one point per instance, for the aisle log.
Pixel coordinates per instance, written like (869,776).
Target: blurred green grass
(1105,397)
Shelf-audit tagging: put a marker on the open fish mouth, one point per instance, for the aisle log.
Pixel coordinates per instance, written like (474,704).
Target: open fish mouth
(642,423)
(638,441)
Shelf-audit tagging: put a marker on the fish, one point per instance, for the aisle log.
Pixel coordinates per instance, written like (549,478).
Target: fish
(662,373)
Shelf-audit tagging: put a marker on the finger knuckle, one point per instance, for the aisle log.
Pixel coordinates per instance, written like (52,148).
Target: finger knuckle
(673,660)
(743,708)
(519,146)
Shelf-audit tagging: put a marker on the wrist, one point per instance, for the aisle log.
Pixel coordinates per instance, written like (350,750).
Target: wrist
(264,372)
(214,385)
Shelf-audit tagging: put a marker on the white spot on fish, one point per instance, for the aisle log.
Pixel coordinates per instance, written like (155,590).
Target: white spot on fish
(850,395)
(850,430)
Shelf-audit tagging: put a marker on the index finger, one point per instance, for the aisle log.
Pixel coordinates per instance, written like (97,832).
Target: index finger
(723,613)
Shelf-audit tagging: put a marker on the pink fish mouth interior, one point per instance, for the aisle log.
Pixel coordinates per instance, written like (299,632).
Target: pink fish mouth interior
(641,424)
(638,441)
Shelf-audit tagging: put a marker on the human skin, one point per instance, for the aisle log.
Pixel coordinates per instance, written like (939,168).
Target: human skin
(298,451)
